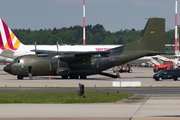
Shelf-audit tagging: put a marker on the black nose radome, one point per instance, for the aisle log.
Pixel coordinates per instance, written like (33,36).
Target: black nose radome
(8,68)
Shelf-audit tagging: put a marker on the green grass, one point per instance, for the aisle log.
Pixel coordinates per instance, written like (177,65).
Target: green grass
(61,97)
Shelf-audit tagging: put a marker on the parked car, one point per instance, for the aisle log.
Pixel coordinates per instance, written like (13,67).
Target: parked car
(167,74)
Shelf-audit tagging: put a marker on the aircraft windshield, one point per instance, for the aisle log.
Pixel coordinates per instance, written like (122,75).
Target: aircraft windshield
(17,60)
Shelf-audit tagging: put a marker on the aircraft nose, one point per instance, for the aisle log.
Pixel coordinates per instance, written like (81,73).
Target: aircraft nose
(8,68)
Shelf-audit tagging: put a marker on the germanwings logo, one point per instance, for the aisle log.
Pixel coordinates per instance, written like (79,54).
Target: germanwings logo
(102,49)
(7,38)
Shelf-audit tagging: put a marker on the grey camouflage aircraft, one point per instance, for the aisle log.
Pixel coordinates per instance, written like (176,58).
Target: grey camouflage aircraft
(83,64)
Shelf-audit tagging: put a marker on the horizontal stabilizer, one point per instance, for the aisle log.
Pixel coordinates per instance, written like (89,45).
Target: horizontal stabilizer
(8,53)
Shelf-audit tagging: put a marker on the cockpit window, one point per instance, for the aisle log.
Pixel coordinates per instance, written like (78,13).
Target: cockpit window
(15,60)
(20,61)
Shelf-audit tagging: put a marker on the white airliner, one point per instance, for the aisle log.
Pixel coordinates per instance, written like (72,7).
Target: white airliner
(11,47)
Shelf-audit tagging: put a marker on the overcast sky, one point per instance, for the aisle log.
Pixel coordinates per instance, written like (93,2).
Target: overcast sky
(114,15)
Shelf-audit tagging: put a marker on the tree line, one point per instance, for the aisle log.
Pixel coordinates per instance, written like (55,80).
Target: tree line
(95,35)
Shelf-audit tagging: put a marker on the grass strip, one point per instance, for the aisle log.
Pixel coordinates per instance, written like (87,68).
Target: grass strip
(61,97)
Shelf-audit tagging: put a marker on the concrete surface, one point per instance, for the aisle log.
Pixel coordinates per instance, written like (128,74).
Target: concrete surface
(156,107)
(144,75)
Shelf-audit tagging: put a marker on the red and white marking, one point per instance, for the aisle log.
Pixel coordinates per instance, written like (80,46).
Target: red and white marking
(176,32)
(84,23)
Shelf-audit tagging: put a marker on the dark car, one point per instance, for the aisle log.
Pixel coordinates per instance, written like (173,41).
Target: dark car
(167,74)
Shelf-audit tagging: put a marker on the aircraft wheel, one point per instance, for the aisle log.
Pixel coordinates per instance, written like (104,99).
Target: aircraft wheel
(19,77)
(64,77)
(83,77)
(175,79)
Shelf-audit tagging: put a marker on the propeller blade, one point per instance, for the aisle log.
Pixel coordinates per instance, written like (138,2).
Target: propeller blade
(57,47)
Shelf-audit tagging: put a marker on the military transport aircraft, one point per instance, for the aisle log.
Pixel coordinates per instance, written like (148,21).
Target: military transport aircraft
(74,64)
(11,47)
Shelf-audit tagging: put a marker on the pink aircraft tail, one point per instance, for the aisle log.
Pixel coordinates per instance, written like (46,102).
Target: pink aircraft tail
(7,38)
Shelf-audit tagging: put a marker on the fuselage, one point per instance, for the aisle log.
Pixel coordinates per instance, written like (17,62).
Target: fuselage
(47,65)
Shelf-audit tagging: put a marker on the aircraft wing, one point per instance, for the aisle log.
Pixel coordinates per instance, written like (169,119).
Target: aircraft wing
(81,56)
(73,56)
(90,53)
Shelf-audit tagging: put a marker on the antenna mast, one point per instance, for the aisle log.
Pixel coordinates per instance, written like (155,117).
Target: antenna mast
(176,32)
(84,42)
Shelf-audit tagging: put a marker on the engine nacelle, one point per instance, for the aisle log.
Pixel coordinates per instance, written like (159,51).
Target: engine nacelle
(67,57)
(76,72)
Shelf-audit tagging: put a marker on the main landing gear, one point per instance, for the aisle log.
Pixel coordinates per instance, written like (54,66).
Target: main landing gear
(129,68)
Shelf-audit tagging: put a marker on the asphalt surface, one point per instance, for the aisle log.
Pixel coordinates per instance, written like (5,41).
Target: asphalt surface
(143,91)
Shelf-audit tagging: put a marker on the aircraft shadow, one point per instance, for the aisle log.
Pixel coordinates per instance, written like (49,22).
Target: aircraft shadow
(56,78)
(167,116)
(133,77)
(4,74)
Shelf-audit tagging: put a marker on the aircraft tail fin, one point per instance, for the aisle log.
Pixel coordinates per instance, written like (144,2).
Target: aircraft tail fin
(7,38)
(152,39)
